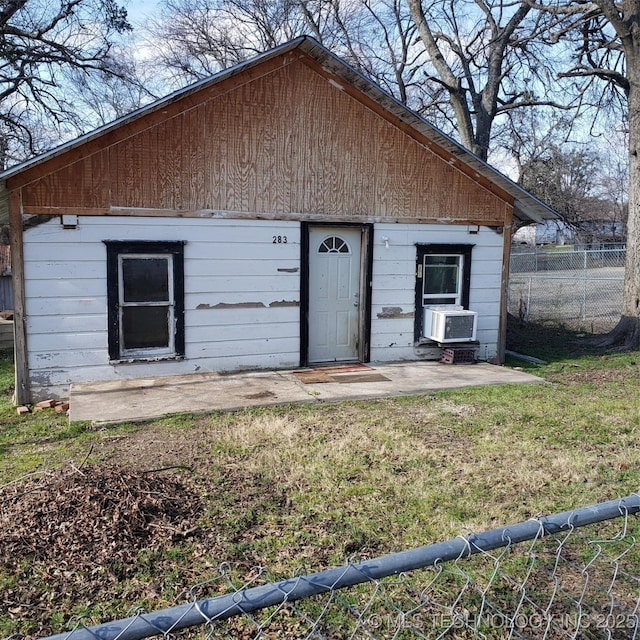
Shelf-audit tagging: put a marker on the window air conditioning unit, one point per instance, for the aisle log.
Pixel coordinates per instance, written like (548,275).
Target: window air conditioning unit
(449,324)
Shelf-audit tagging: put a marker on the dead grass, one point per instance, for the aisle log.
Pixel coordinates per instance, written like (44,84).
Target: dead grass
(304,486)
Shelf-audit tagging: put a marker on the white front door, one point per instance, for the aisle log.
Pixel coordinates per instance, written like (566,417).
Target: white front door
(334,294)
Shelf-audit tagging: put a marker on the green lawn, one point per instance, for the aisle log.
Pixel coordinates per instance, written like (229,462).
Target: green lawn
(95,521)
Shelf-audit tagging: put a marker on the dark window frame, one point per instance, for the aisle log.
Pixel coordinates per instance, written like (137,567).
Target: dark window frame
(464,250)
(116,248)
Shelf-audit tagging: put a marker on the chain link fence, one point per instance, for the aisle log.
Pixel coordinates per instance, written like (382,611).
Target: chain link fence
(575,574)
(581,289)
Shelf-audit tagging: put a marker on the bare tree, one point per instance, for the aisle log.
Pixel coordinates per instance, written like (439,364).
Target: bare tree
(613,185)
(486,57)
(101,98)
(462,64)
(195,38)
(605,38)
(532,132)
(566,179)
(41,42)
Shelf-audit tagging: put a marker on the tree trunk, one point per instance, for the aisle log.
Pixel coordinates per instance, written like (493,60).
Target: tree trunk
(626,334)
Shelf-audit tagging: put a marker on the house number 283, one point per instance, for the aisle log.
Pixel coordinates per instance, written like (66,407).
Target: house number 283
(279,240)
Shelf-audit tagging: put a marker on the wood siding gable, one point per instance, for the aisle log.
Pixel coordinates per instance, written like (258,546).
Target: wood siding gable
(286,139)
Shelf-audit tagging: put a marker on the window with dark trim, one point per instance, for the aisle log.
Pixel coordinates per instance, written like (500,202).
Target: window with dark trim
(145,293)
(443,277)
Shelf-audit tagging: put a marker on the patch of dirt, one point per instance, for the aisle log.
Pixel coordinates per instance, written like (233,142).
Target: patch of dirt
(548,340)
(157,446)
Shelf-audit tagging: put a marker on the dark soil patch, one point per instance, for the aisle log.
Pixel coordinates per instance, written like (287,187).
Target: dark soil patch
(106,538)
(549,341)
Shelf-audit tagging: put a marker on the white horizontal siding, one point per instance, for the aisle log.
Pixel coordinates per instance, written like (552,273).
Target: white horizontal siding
(201,335)
(394,286)
(61,358)
(71,324)
(76,287)
(69,252)
(240,285)
(394,298)
(226,250)
(199,267)
(205,318)
(40,343)
(242,295)
(54,308)
(39,269)
(256,348)
(228,263)
(485,267)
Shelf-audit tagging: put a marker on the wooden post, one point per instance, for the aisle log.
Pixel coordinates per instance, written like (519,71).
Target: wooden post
(504,294)
(22,393)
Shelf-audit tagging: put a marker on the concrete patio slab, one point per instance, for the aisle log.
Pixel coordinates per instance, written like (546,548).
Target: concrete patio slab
(136,400)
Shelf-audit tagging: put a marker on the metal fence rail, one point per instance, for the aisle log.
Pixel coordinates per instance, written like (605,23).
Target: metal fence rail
(575,574)
(564,259)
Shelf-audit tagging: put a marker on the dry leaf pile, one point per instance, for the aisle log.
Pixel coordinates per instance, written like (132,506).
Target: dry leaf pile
(69,536)
(86,516)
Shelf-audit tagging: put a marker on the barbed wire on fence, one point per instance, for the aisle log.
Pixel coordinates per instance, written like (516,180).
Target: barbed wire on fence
(575,574)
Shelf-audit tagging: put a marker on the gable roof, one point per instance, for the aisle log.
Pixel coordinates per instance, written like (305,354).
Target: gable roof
(527,208)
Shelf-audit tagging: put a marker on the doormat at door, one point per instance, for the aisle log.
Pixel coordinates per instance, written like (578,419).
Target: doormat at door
(360,377)
(312,377)
(340,373)
(342,368)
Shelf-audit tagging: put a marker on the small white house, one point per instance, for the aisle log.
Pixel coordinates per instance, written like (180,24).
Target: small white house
(285,212)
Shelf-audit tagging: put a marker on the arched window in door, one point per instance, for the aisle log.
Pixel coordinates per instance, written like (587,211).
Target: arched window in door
(334,244)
